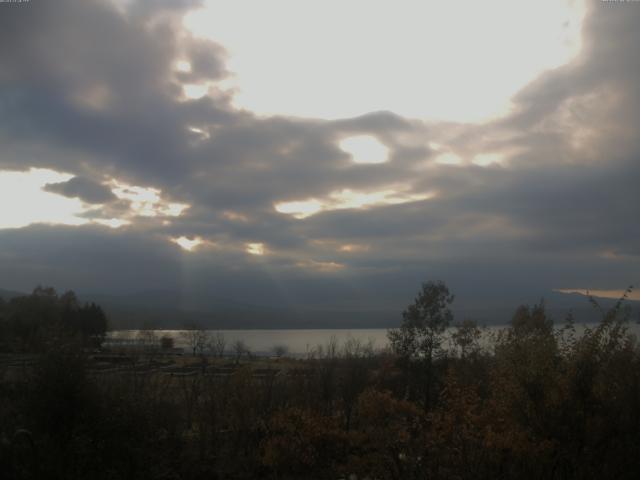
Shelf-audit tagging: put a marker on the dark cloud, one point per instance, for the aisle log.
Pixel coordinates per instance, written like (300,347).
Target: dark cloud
(91,89)
(83,188)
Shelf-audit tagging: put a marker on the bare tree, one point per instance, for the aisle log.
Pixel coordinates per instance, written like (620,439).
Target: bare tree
(217,344)
(195,336)
(147,335)
(239,348)
(280,350)
(148,341)
(357,348)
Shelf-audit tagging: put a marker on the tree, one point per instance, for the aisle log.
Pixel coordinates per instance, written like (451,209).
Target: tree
(280,350)
(94,323)
(423,323)
(528,321)
(195,336)
(418,340)
(466,336)
(217,344)
(239,348)
(167,342)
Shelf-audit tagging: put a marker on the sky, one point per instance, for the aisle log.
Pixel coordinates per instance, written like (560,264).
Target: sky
(320,154)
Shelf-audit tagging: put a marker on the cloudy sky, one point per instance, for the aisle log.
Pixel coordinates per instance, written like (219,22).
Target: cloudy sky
(320,153)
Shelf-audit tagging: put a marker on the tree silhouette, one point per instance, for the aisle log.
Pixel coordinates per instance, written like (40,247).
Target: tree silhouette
(424,322)
(419,339)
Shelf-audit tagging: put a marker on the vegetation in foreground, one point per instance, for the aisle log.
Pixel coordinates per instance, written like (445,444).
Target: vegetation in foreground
(543,402)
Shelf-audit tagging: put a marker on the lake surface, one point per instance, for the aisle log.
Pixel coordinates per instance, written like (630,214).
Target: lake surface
(262,342)
(296,341)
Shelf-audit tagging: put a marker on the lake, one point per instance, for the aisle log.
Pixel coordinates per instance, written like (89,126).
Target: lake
(297,341)
(262,342)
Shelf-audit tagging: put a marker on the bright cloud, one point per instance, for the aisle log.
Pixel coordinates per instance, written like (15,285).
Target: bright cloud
(412,57)
(24,201)
(27,202)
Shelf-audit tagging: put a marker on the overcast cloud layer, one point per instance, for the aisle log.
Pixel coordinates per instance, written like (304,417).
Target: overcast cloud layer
(91,90)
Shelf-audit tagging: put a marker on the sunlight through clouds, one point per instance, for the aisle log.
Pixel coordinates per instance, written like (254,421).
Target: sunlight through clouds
(365,149)
(24,201)
(255,248)
(186,243)
(488,159)
(353,248)
(25,191)
(111,222)
(614,294)
(358,135)
(234,216)
(194,91)
(397,61)
(146,201)
(319,266)
(183,66)
(300,209)
(346,199)
(199,133)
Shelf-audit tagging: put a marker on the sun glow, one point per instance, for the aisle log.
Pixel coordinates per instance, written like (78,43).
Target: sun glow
(111,222)
(183,66)
(199,133)
(346,199)
(615,294)
(24,201)
(255,248)
(187,243)
(301,208)
(432,60)
(365,149)
(488,159)
(319,266)
(146,201)
(353,248)
(194,91)
(234,216)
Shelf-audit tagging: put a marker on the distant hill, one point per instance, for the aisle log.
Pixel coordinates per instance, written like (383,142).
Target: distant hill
(9,294)
(171,310)
(166,309)
(557,304)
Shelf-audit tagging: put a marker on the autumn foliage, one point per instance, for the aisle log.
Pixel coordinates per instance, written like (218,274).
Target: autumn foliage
(536,400)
